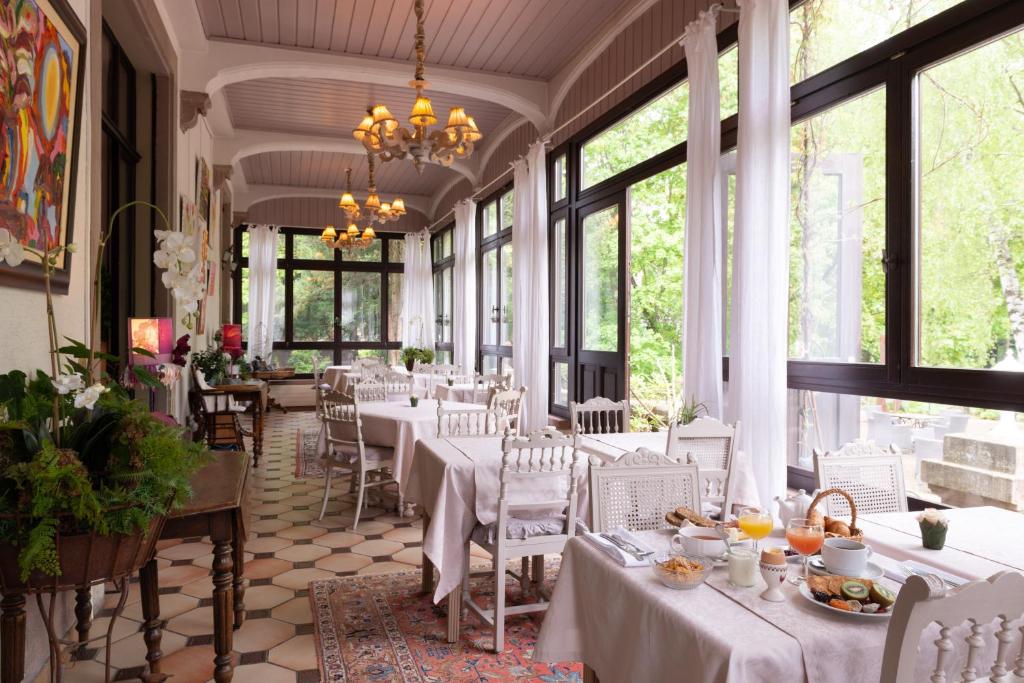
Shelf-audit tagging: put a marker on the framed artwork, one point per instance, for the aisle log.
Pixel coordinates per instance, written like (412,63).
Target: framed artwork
(42,52)
(203,189)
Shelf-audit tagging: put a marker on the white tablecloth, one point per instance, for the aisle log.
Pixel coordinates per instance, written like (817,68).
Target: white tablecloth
(339,377)
(626,626)
(463,391)
(611,446)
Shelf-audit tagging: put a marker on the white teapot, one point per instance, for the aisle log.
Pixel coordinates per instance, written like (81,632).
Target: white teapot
(793,507)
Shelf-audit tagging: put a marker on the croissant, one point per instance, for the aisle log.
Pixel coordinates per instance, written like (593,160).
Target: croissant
(815,517)
(837,527)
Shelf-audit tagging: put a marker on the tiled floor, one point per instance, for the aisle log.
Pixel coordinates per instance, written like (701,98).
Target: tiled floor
(287,548)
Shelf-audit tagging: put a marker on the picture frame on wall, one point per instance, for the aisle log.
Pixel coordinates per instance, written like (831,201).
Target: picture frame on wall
(40,131)
(203,189)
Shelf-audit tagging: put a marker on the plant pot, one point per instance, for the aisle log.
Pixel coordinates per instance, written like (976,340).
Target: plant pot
(85,559)
(410,364)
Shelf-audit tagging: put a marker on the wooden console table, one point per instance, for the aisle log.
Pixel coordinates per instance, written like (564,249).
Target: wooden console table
(254,393)
(219,509)
(271,375)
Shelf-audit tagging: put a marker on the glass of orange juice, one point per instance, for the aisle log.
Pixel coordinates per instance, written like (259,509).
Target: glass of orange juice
(755,524)
(806,538)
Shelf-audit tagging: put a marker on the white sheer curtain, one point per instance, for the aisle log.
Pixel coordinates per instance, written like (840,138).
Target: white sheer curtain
(702,299)
(418,292)
(530,343)
(262,289)
(464,286)
(758,336)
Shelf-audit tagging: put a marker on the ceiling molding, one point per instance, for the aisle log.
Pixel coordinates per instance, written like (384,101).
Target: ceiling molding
(254,194)
(246,143)
(228,61)
(440,194)
(494,140)
(570,73)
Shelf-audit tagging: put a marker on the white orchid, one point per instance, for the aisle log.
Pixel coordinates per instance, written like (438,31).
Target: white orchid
(10,250)
(66,384)
(88,396)
(181,271)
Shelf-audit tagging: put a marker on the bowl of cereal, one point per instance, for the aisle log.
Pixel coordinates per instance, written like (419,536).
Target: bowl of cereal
(681,571)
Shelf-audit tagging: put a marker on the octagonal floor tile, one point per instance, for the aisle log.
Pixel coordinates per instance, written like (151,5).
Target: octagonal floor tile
(268,544)
(302,553)
(413,556)
(339,539)
(386,568)
(265,568)
(405,534)
(343,562)
(264,673)
(264,526)
(180,575)
(296,533)
(377,548)
(196,622)
(298,579)
(300,515)
(171,605)
(131,651)
(296,611)
(262,634)
(372,528)
(186,551)
(297,654)
(267,597)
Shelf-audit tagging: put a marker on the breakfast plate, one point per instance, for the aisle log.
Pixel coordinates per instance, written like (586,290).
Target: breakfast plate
(805,592)
(871,571)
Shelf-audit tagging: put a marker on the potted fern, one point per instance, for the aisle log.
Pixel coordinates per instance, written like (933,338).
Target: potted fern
(87,474)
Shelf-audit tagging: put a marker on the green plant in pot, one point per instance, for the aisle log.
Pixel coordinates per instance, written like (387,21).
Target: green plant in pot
(690,410)
(87,473)
(411,354)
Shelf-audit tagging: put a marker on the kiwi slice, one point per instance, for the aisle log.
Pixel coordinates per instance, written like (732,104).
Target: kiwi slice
(854,590)
(882,595)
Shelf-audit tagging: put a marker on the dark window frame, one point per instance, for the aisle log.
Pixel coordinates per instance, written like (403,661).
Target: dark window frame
(494,243)
(438,266)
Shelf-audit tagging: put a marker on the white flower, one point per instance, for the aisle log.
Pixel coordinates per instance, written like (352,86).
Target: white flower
(932,516)
(10,249)
(65,384)
(169,373)
(88,397)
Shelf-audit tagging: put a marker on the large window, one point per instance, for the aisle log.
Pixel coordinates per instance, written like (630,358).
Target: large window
(330,305)
(443,257)
(496,317)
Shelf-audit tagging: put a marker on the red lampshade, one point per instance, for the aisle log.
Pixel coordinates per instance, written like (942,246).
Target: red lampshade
(155,335)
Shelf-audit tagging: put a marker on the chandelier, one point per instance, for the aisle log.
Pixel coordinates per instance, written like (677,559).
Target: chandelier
(382,136)
(349,239)
(373,207)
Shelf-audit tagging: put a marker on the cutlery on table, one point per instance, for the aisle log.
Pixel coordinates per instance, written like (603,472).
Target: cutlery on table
(621,544)
(920,572)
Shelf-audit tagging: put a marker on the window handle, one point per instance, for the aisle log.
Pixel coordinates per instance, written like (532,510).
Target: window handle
(495,314)
(888,262)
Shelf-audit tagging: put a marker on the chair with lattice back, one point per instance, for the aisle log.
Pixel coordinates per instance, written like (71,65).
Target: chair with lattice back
(978,624)
(599,415)
(369,392)
(636,490)
(508,405)
(713,445)
(468,422)
(872,475)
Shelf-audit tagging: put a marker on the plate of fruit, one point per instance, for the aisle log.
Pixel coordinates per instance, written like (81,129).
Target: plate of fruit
(850,595)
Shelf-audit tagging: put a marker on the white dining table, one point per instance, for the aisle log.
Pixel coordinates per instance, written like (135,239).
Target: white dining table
(461,391)
(624,625)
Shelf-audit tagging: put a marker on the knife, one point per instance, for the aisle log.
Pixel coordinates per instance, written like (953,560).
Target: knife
(636,553)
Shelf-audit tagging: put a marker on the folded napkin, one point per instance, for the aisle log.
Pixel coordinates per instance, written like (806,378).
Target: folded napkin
(901,571)
(614,552)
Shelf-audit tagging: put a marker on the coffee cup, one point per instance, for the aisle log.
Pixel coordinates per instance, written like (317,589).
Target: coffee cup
(845,557)
(698,541)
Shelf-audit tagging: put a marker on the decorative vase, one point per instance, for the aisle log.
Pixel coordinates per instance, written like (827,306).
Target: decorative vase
(410,364)
(414,401)
(774,575)
(933,535)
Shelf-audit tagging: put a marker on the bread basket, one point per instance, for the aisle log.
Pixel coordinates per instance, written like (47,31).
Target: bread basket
(855,533)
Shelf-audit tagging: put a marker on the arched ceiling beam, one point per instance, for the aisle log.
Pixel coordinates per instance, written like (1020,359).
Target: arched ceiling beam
(227,61)
(245,143)
(253,194)
(494,140)
(571,72)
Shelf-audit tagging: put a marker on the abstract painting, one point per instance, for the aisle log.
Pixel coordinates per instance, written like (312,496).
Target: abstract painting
(41,49)
(203,188)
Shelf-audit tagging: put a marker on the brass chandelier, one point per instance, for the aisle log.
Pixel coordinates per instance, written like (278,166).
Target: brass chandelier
(373,210)
(382,136)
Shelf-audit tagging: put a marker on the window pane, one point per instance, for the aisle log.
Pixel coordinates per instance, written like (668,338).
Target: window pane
(821,36)
(370,253)
(435,249)
(245,301)
(729,82)
(837,233)
(438,308)
(489,218)
(560,385)
(971,186)
(311,247)
(313,305)
(489,310)
(446,304)
(507,294)
(663,124)
(600,304)
(443,356)
(490,365)
(657,222)
(561,307)
(302,360)
(446,244)
(507,201)
(395,284)
(245,244)
(560,184)
(360,306)
(396,251)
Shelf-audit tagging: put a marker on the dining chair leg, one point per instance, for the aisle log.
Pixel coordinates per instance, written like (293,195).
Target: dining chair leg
(537,575)
(327,491)
(359,499)
(499,599)
(524,574)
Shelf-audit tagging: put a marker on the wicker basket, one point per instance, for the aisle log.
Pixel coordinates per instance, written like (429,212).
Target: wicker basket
(855,533)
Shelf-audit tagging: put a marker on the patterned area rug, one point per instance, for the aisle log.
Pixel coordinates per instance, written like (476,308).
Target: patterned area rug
(307,462)
(381,628)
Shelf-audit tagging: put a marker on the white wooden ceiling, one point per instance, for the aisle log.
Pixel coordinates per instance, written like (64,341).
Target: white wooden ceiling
(529,38)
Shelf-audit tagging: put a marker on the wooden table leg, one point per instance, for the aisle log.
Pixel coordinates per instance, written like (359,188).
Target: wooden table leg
(83,612)
(454,614)
(427,578)
(12,638)
(223,636)
(257,433)
(151,624)
(238,555)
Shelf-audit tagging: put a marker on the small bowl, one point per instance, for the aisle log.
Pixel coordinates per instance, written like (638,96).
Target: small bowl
(681,580)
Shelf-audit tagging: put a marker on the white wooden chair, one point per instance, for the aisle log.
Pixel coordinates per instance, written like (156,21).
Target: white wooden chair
(319,388)
(713,445)
(536,516)
(397,383)
(508,405)
(373,373)
(485,386)
(468,422)
(636,490)
(872,475)
(599,415)
(371,467)
(986,615)
(439,374)
(359,363)
(369,392)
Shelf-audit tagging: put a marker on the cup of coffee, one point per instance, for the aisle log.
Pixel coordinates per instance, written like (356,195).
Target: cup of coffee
(845,557)
(698,541)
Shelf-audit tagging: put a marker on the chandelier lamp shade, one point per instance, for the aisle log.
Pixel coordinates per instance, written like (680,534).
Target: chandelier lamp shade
(382,136)
(373,208)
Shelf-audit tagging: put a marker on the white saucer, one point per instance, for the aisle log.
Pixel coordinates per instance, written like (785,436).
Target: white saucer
(872,571)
